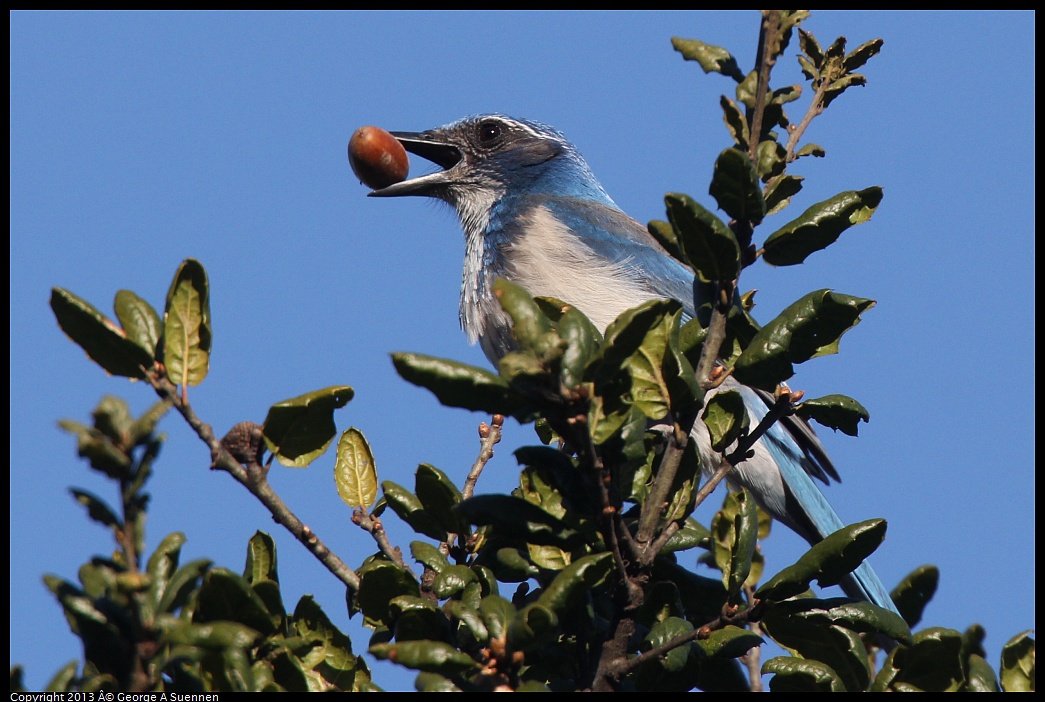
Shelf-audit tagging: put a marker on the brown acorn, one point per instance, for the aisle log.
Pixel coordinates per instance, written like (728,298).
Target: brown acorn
(377,158)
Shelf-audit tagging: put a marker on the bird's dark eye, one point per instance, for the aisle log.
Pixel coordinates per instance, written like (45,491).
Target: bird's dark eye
(489,132)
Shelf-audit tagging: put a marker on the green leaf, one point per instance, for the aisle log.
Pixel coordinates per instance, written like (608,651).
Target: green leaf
(312,622)
(583,575)
(1017,664)
(809,327)
(811,150)
(708,244)
(531,627)
(406,505)
(182,585)
(261,572)
(354,471)
(861,617)
(460,385)
(780,190)
(101,452)
(511,566)
(530,326)
(820,226)
(428,656)
(827,562)
(736,123)
(861,54)
(299,430)
(97,510)
(841,85)
(980,676)
(225,595)
(429,556)
(416,618)
(497,613)
(835,411)
(712,59)
(379,583)
(811,48)
(792,674)
(105,643)
(664,233)
(439,496)
(162,565)
(186,325)
(142,428)
(643,343)
(582,341)
(433,682)
(746,90)
(452,581)
(62,681)
(836,646)
(932,663)
(772,158)
(734,185)
(139,320)
(104,342)
(516,518)
(691,535)
(661,633)
(729,642)
(466,618)
(742,539)
(725,415)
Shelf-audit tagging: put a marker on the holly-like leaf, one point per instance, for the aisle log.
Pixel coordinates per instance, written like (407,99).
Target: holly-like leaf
(827,562)
(186,325)
(707,243)
(457,384)
(1017,664)
(429,656)
(780,190)
(139,320)
(820,226)
(713,59)
(809,327)
(354,472)
(299,430)
(835,411)
(734,185)
(103,341)
(517,518)
(726,418)
(439,496)
(791,674)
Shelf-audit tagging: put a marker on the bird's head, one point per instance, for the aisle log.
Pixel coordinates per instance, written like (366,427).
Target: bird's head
(485,157)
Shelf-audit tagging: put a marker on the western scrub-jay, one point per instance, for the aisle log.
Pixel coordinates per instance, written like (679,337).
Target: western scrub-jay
(533,213)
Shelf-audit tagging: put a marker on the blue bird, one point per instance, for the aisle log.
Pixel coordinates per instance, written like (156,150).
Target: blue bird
(533,212)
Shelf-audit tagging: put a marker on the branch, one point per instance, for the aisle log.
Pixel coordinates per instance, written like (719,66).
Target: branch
(768,40)
(374,527)
(245,439)
(488,436)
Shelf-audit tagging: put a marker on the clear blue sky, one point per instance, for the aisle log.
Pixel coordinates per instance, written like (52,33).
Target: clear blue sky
(138,140)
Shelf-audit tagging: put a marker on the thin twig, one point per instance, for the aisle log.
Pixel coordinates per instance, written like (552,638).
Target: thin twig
(769,38)
(374,527)
(753,658)
(254,478)
(488,436)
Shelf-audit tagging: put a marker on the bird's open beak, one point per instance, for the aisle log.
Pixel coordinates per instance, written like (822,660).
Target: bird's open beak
(440,153)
